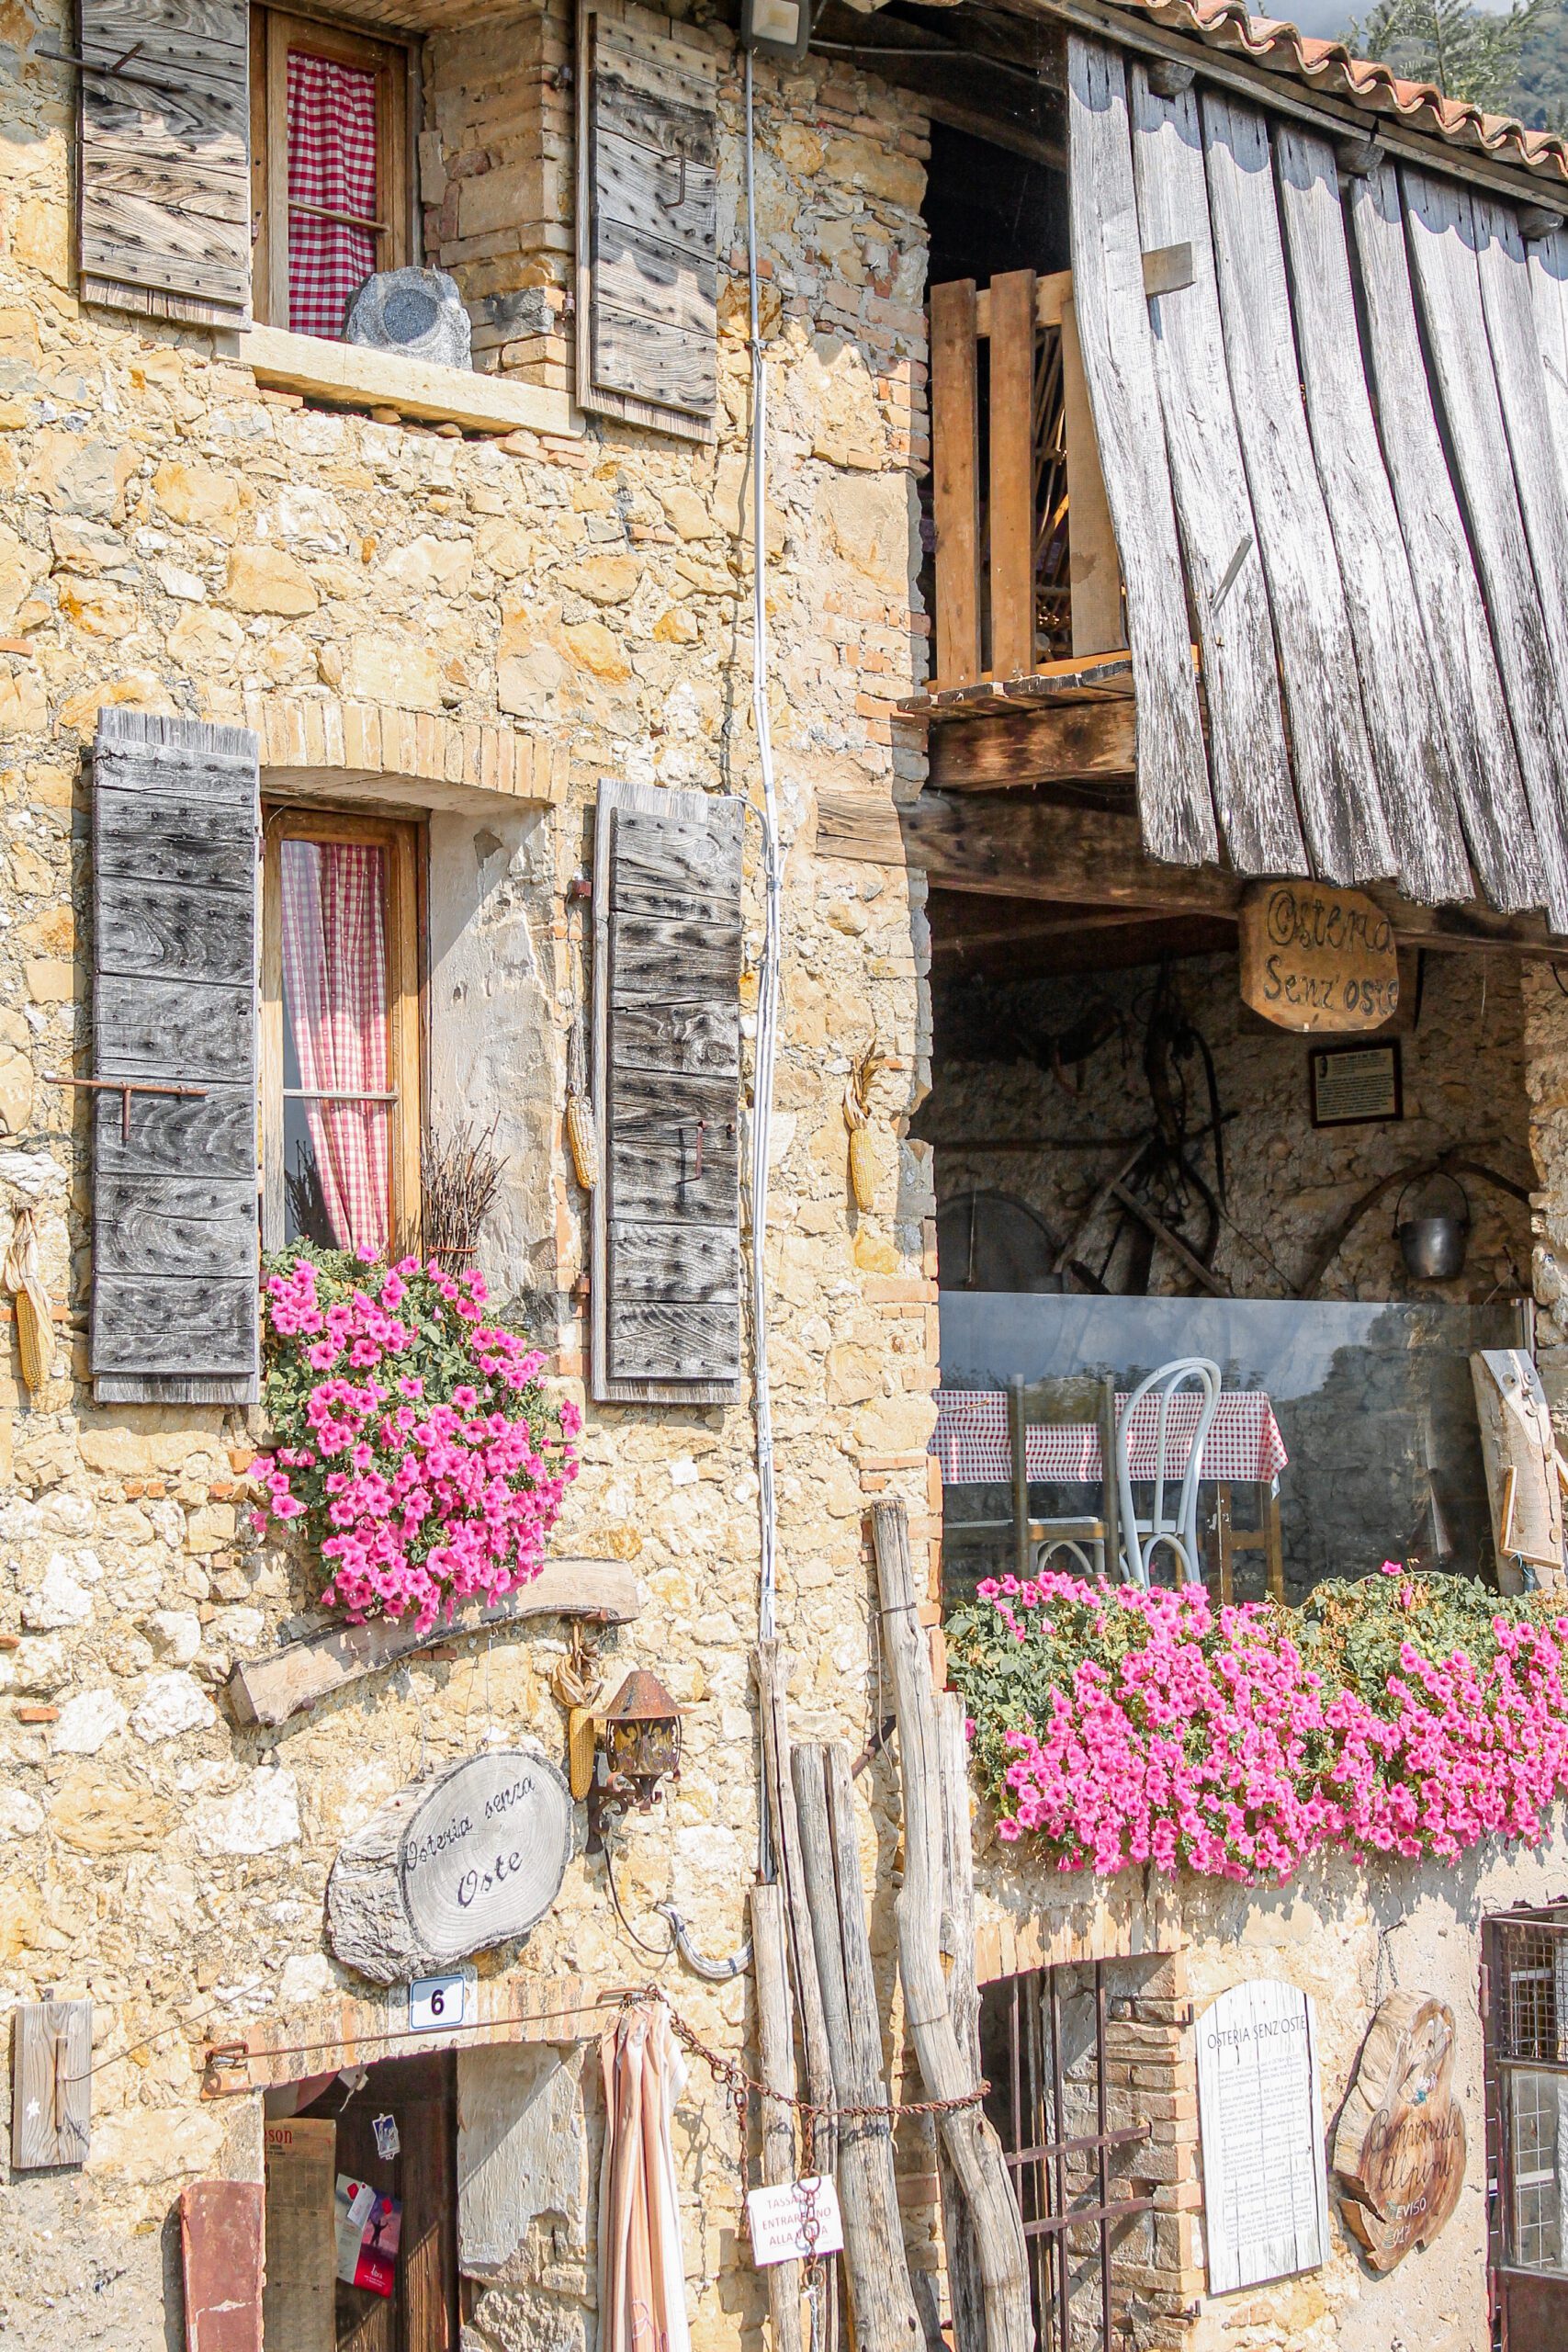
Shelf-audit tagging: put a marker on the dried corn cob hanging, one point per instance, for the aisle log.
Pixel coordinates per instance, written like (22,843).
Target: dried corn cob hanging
(577,1688)
(35,1317)
(582,1133)
(857,1118)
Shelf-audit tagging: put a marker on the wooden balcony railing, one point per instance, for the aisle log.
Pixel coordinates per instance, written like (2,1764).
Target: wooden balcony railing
(1027,578)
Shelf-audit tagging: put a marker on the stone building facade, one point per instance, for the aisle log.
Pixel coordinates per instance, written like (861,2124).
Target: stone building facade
(465,606)
(472,629)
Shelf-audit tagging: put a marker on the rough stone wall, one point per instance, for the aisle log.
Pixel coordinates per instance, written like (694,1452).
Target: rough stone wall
(1546,1048)
(1464,1077)
(174,539)
(496,183)
(1348,1936)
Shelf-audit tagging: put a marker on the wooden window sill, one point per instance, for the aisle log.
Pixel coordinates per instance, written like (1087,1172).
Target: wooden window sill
(357,376)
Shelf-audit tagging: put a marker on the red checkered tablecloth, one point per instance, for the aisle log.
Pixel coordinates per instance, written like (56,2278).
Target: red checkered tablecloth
(970,1440)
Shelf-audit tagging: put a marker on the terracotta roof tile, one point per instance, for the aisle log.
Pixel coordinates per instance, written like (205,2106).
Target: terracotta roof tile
(1328,65)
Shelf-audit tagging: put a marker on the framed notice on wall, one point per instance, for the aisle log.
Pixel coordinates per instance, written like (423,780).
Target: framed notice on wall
(1260,2116)
(1352,1086)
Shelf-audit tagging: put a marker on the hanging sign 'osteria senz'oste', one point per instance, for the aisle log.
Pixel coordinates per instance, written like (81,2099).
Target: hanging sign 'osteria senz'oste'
(1399,2145)
(451,1865)
(1313,958)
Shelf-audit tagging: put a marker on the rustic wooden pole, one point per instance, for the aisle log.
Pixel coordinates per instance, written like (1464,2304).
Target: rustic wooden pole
(775,2042)
(965,2289)
(772,1666)
(971,2142)
(881,2300)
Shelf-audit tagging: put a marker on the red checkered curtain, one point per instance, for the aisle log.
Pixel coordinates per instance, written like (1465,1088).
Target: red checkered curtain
(331,165)
(334,993)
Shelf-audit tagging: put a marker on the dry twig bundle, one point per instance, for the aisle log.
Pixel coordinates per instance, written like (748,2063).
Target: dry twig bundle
(459,1175)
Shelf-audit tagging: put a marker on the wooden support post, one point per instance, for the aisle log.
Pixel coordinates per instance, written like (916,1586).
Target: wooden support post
(1227,1536)
(1273,1545)
(955,484)
(1018,1456)
(775,2045)
(881,2300)
(1094,571)
(1011,521)
(971,2142)
(770,1667)
(965,2288)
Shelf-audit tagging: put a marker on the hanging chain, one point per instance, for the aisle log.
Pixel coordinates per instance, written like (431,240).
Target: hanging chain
(743,2088)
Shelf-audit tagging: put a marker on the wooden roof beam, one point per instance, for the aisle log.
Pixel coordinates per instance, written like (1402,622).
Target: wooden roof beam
(1084,743)
(1010,848)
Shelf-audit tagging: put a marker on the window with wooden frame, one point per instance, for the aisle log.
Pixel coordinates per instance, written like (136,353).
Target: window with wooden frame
(331,188)
(341,1079)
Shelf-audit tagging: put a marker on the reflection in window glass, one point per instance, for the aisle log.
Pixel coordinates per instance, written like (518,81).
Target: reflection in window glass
(337,1105)
(1538,2149)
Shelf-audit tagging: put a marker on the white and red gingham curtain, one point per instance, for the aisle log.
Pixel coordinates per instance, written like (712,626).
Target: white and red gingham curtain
(334,980)
(331,165)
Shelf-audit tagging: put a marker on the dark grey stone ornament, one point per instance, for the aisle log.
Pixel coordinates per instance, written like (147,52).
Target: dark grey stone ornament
(417,311)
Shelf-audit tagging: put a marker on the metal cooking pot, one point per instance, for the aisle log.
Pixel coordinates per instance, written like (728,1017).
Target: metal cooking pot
(1433,1248)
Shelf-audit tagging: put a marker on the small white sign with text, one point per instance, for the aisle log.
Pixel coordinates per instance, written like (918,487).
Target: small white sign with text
(778,2221)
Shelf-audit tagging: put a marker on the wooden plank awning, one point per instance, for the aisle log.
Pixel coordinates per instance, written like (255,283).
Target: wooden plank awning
(1369,547)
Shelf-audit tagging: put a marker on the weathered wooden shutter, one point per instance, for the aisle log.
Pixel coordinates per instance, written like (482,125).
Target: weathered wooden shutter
(175,825)
(647,225)
(166,210)
(666,1279)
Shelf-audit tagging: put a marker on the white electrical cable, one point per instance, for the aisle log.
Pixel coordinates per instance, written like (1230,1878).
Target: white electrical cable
(773,889)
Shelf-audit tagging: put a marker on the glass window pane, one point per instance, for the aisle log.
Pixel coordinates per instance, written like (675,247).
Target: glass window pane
(336,1041)
(332,190)
(1538,2156)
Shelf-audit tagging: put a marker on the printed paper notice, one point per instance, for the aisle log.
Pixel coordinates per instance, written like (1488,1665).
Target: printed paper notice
(778,2218)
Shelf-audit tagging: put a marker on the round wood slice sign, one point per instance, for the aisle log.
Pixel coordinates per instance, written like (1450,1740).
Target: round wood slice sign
(1312,958)
(1399,2149)
(483,1855)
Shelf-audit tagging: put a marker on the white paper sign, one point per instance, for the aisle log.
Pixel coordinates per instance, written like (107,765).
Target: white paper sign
(437,2001)
(777,2217)
(1265,2194)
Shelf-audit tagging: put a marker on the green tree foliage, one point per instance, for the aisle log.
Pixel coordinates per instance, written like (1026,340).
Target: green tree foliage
(1468,52)
(1541,96)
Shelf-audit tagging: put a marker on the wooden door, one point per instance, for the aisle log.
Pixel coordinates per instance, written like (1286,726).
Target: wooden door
(420,2095)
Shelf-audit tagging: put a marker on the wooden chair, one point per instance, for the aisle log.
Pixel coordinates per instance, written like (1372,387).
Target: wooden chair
(1073,1400)
(1162,1531)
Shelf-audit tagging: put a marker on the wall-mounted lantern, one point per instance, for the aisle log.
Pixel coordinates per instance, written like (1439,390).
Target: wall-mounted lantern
(640,1745)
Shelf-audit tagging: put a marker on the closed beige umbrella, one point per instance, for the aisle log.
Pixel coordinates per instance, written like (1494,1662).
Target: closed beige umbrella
(642,2284)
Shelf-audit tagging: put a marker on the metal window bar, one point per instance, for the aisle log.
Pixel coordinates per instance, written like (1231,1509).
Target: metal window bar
(1062,2173)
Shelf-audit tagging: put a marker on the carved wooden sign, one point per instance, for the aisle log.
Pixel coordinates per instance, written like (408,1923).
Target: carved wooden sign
(451,1866)
(1399,2148)
(1313,958)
